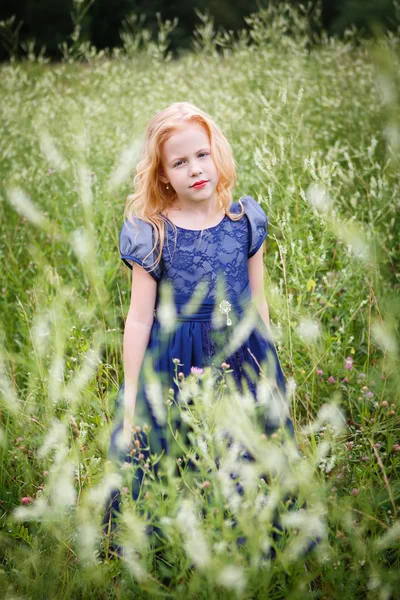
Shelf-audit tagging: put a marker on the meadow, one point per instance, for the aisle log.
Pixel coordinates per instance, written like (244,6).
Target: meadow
(315,131)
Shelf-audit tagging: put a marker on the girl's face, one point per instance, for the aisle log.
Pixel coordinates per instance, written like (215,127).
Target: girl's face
(187,161)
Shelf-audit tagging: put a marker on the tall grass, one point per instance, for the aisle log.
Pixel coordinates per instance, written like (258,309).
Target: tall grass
(315,135)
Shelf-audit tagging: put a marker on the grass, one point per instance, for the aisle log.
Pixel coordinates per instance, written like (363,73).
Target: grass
(315,137)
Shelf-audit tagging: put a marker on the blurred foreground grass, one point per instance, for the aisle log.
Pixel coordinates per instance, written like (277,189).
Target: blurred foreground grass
(316,139)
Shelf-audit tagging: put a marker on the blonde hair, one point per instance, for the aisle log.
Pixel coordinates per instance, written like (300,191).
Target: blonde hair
(150,195)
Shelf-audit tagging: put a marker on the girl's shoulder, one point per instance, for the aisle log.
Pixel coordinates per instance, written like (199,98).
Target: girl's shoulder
(250,205)
(136,244)
(257,221)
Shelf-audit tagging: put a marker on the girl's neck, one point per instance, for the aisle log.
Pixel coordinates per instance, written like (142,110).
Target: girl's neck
(194,217)
(202,208)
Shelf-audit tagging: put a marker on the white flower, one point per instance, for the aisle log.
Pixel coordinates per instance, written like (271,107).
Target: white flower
(154,394)
(194,541)
(383,337)
(309,330)
(24,206)
(232,577)
(318,196)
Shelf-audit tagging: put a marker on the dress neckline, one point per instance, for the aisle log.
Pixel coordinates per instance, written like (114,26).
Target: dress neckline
(186,229)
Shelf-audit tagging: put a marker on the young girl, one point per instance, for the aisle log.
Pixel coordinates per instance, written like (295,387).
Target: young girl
(182,229)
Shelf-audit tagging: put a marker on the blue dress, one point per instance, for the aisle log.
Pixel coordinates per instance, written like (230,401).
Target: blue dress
(217,257)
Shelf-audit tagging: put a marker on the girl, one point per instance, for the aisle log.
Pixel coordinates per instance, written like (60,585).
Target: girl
(182,229)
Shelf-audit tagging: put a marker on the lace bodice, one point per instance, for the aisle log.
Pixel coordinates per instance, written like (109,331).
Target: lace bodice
(207,255)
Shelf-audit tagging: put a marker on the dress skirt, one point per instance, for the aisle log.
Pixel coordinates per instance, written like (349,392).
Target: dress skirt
(197,341)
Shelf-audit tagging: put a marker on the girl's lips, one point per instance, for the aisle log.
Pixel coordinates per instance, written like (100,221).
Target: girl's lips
(200,184)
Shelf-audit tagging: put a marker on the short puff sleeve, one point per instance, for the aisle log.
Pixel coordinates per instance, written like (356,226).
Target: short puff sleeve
(136,243)
(258,224)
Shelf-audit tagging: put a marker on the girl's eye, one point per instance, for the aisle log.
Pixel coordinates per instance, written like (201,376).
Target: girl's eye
(179,162)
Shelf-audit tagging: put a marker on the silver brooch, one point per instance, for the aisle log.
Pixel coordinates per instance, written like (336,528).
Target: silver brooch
(225,308)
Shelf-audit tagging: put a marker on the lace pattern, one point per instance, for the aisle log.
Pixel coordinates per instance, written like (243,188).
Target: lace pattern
(217,255)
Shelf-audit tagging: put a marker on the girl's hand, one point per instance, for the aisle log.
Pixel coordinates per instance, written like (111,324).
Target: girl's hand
(129,411)
(127,434)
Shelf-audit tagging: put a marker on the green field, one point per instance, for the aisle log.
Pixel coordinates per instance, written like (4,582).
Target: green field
(315,131)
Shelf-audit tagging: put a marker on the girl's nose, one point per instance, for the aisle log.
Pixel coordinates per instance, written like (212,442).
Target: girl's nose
(196,170)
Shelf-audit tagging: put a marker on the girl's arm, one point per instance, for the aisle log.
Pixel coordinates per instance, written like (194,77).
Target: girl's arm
(136,337)
(256,278)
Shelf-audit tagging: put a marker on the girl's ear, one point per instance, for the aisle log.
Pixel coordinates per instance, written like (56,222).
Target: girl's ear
(162,176)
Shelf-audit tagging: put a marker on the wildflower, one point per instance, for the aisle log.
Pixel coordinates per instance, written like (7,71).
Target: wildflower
(27,500)
(327,464)
(20,439)
(355,492)
(225,365)
(377,445)
(232,577)
(125,490)
(348,365)
(364,389)
(309,330)
(197,370)
(45,473)
(176,361)
(345,380)
(154,393)
(311,285)
(141,456)
(195,542)
(362,375)
(364,458)
(396,448)
(331,379)
(181,375)
(320,372)
(206,484)
(318,196)
(370,394)
(385,403)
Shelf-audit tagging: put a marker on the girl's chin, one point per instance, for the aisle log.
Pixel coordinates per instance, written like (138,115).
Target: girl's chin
(208,192)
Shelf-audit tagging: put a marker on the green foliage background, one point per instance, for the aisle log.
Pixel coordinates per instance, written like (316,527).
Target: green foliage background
(45,24)
(315,135)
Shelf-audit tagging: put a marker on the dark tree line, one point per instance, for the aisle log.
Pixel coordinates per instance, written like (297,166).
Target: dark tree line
(50,22)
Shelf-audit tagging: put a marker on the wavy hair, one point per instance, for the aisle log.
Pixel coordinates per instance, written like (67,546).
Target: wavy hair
(150,197)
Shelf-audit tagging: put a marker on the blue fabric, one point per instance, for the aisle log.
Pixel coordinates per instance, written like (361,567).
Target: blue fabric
(191,256)
(136,243)
(217,257)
